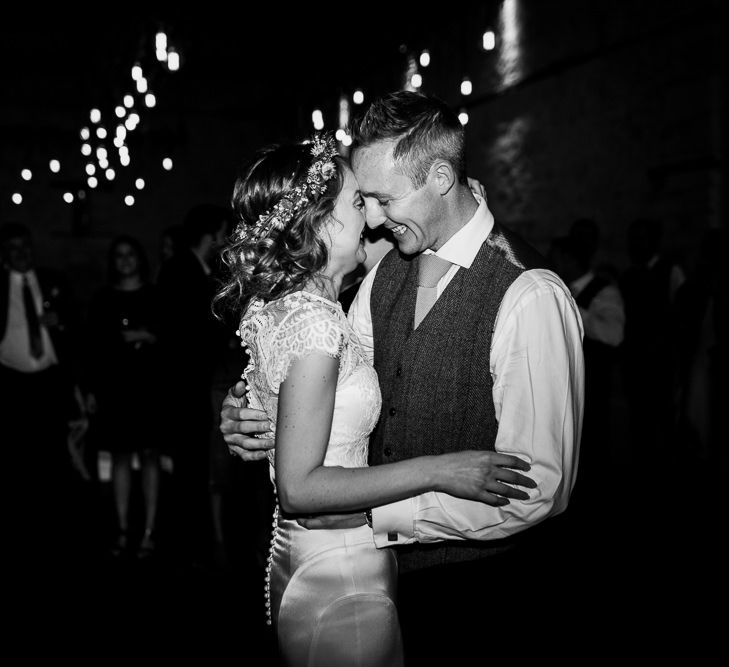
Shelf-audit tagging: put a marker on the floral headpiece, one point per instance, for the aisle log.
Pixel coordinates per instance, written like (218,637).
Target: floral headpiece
(320,172)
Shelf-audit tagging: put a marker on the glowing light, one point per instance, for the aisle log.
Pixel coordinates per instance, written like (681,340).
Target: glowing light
(134,117)
(129,200)
(26,174)
(124,150)
(85,149)
(124,160)
(118,142)
(136,72)
(509,64)
(121,131)
(358,97)
(167,164)
(129,124)
(139,183)
(416,80)
(101,153)
(128,101)
(463,117)
(91,180)
(425,58)
(103,163)
(120,111)
(85,134)
(173,60)
(150,100)
(101,133)
(95,115)
(110,174)
(54,166)
(160,41)
(17,198)
(142,85)
(318,119)
(489,40)
(347,141)
(340,134)
(466,86)
(90,169)
(161,55)
(67,197)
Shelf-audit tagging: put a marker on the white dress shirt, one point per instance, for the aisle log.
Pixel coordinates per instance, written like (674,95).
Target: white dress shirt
(15,346)
(538,379)
(604,318)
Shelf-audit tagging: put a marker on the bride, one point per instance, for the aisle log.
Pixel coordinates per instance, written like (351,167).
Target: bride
(329,593)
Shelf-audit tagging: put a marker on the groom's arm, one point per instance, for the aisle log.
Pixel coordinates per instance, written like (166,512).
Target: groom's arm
(537,363)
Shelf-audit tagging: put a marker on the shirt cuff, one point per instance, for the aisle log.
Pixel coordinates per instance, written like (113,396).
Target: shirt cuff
(394,524)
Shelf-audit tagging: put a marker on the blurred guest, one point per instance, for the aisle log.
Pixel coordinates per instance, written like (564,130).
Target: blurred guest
(702,305)
(603,318)
(171,242)
(192,339)
(649,288)
(124,382)
(37,361)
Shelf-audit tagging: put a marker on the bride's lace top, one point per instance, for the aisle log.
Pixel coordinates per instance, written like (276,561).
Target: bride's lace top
(279,332)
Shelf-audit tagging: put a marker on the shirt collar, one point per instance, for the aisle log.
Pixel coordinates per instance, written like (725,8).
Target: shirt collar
(463,246)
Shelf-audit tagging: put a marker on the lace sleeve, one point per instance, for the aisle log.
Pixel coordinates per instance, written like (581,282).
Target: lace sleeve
(309,329)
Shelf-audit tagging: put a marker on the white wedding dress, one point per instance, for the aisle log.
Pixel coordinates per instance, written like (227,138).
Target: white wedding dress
(330,593)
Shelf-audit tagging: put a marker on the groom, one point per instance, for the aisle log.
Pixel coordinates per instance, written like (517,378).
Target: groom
(477,346)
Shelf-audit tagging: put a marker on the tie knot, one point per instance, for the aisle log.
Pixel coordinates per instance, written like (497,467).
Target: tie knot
(431,269)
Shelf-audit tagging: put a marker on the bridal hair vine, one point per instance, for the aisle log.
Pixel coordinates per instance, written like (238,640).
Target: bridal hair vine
(322,169)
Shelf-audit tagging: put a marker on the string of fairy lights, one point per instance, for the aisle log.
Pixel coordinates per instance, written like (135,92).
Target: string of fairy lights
(103,162)
(412,80)
(100,160)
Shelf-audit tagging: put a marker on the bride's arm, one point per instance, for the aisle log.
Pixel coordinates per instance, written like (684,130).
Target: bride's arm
(306,486)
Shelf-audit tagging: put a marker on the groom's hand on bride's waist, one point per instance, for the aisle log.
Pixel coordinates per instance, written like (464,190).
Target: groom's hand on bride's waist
(332,521)
(239,426)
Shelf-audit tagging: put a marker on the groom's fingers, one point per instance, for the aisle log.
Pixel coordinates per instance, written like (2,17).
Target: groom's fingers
(246,454)
(509,461)
(511,477)
(248,443)
(507,491)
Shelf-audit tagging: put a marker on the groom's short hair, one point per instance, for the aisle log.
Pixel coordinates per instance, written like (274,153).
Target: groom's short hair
(425,130)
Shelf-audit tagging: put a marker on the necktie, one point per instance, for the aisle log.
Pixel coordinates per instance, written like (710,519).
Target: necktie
(430,270)
(31,316)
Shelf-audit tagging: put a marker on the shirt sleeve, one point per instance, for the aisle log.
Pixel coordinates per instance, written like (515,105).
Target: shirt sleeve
(538,371)
(604,320)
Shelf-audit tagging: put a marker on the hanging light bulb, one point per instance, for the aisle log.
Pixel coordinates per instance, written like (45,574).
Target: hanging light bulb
(466,86)
(141,85)
(67,197)
(317,119)
(139,183)
(416,80)
(347,141)
(129,200)
(124,160)
(358,97)
(128,101)
(173,60)
(54,166)
(101,133)
(425,58)
(167,164)
(85,134)
(95,115)
(160,41)
(101,153)
(150,100)
(86,149)
(91,180)
(103,163)
(110,174)
(463,117)
(161,55)
(489,40)
(339,134)
(90,169)
(120,111)
(17,198)
(26,174)
(136,72)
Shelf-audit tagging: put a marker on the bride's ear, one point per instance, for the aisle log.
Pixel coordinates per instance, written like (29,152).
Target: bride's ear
(442,176)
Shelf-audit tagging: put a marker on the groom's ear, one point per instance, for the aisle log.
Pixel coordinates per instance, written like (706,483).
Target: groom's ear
(443,176)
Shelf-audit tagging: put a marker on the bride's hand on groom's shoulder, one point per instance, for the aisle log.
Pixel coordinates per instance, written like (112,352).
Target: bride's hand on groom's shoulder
(239,424)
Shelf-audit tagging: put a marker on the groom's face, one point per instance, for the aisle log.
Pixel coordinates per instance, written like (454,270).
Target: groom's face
(391,199)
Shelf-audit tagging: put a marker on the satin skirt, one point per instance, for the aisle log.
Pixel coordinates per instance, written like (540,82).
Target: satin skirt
(333,598)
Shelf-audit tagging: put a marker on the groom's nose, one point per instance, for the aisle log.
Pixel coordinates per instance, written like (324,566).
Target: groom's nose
(374,215)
